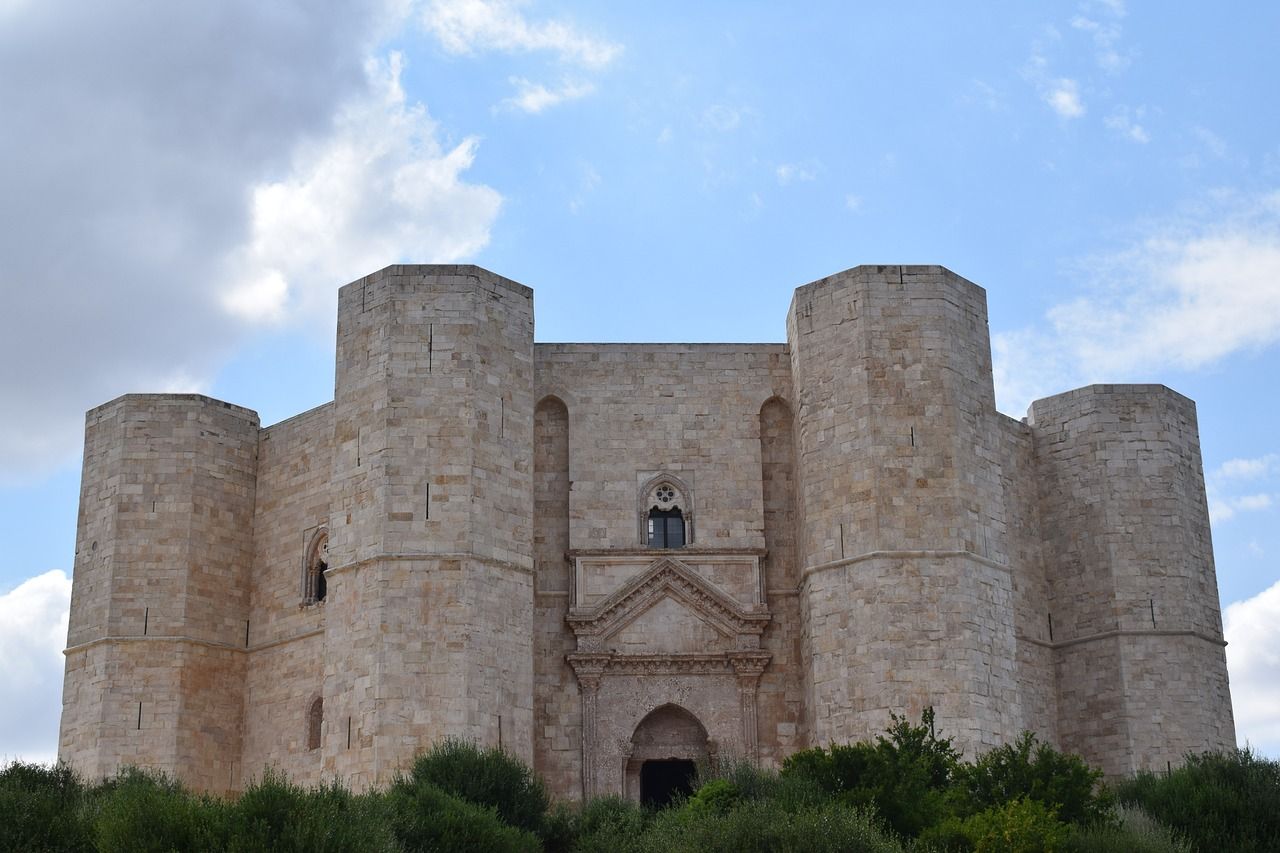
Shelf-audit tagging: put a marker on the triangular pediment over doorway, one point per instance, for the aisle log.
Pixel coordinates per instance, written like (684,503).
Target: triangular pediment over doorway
(680,592)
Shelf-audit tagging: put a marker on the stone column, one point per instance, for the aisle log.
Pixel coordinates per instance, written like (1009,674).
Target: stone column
(748,667)
(588,669)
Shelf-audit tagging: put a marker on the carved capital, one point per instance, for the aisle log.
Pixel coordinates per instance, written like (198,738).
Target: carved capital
(588,668)
(749,666)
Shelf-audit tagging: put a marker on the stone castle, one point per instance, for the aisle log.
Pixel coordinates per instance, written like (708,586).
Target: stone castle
(613,559)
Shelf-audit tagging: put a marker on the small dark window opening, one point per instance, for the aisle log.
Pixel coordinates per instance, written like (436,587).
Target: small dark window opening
(317,565)
(315,717)
(320,569)
(663,781)
(666,528)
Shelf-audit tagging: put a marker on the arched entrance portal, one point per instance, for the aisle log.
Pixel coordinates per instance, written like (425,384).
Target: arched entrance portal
(665,750)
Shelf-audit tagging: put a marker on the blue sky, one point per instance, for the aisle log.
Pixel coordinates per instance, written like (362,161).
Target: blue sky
(184,190)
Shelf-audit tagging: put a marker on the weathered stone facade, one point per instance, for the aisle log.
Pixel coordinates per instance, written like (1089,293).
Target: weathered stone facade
(459,545)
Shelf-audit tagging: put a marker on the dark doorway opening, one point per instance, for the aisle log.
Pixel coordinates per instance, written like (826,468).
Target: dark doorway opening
(663,781)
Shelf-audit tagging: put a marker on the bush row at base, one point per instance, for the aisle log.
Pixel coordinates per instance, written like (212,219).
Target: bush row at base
(907,791)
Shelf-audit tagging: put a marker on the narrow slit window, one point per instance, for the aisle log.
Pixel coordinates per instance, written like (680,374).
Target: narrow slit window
(315,719)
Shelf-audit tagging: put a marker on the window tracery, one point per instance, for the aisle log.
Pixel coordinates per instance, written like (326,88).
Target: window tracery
(666,513)
(315,588)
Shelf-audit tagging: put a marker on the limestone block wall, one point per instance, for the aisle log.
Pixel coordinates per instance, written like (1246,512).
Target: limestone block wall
(431,524)
(155,665)
(639,409)
(612,417)
(907,590)
(1036,678)
(780,692)
(557,741)
(286,644)
(1133,594)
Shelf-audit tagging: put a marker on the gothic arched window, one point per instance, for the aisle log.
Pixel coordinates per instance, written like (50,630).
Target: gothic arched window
(666,528)
(666,513)
(317,563)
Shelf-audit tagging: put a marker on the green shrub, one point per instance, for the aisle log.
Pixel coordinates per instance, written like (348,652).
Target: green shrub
(141,812)
(945,837)
(1036,771)
(792,792)
(715,797)
(425,818)
(1134,831)
(43,808)
(487,777)
(611,825)
(1219,801)
(762,827)
(274,814)
(1017,826)
(904,775)
(560,829)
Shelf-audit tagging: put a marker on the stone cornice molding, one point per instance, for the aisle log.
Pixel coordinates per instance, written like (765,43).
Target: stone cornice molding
(809,571)
(590,667)
(1134,632)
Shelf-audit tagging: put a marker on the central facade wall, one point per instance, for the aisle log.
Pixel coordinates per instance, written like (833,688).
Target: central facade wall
(611,418)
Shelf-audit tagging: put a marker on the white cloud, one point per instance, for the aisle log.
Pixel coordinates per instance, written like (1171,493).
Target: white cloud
(1105,32)
(379,189)
(1212,142)
(534,97)
(169,188)
(1224,508)
(1249,469)
(721,118)
(587,183)
(788,173)
(473,26)
(853,202)
(1127,126)
(1252,629)
(33,633)
(1231,475)
(1190,292)
(1064,97)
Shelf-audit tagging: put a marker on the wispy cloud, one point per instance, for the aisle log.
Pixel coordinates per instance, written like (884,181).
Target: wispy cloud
(1224,508)
(533,97)
(1224,483)
(1190,291)
(853,202)
(722,118)
(588,180)
(474,26)
(1249,469)
(1127,125)
(1252,629)
(471,27)
(788,173)
(1102,23)
(1063,95)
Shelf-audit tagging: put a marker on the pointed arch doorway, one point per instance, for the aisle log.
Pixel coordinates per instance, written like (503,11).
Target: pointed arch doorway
(666,748)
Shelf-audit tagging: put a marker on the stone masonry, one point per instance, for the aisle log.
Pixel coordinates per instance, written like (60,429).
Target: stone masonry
(460,545)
